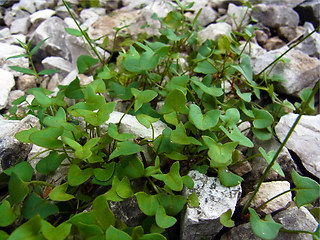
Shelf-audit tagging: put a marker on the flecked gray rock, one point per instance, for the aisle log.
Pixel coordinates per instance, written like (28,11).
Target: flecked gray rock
(214,199)
(304,140)
(6,84)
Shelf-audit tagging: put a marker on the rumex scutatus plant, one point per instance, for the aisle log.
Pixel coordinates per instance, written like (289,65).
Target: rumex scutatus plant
(208,90)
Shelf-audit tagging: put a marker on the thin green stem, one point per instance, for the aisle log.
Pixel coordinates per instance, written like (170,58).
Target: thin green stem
(42,183)
(296,231)
(38,154)
(128,109)
(315,89)
(271,199)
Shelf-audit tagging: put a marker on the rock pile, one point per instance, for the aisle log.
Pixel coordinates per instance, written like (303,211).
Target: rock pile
(281,24)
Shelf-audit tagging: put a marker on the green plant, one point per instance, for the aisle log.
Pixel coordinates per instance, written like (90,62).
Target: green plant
(203,133)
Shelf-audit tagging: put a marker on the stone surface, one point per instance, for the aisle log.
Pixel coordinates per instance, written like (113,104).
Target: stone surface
(41,15)
(10,148)
(26,81)
(309,11)
(274,16)
(20,25)
(238,16)
(274,43)
(311,45)
(304,140)
(214,199)
(6,84)
(291,33)
(302,71)
(287,3)
(266,192)
(214,31)
(58,63)
(129,124)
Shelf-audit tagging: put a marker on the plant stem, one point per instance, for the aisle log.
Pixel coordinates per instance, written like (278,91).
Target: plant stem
(275,157)
(271,199)
(128,109)
(42,183)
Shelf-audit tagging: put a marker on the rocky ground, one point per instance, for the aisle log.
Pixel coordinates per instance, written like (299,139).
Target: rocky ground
(281,24)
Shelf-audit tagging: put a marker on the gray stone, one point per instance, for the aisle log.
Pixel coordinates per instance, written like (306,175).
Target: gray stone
(45,4)
(241,232)
(304,140)
(13,95)
(62,12)
(11,150)
(12,39)
(91,13)
(27,5)
(267,191)
(254,50)
(52,28)
(274,16)
(4,32)
(274,43)
(58,63)
(287,3)
(302,71)
(208,15)
(296,219)
(214,199)
(214,31)
(6,84)
(20,25)
(110,5)
(311,45)
(41,15)
(238,17)
(309,11)
(291,33)
(26,81)
(137,4)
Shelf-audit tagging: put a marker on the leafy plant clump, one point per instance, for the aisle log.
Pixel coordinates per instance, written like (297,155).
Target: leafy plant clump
(207,92)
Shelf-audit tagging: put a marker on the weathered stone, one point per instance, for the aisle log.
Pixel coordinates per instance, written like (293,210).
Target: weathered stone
(267,191)
(238,17)
(13,95)
(20,25)
(110,5)
(241,232)
(254,50)
(62,12)
(214,199)
(11,39)
(26,81)
(6,84)
(274,43)
(309,11)
(274,16)
(11,150)
(58,63)
(129,124)
(311,45)
(295,218)
(287,3)
(5,32)
(27,5)
(291,33)
(214,31)
(304,140)
(302,71)
(208,15)
(53,29)
(41,15)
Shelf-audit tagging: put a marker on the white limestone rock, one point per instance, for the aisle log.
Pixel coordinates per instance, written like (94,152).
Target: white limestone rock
(238,16)
(215,199)
(311,45)
(20,25)
(6,84)
(58,63)
(41,15)
(304,140)
(214,31)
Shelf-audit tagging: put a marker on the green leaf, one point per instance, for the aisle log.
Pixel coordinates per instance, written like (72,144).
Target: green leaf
(220,154)
(153,169)
(59,193)
(124,149)
(193,200)
(74,90)
(227,178)
(105,173)
(17,56)
(112,233)
(148,204)
(29,230)
(90,231)
(172,179)
(76,176)
(173,204)
(205,67)
(18,189)
(132,166)
(206,121)
(187,181)
(176,156)
(82,152)
(50,163)
(263,119)
(268,157)
(307,190)
(236,136)
(123,189)
(266,229)
(175,102)
(35,205)
(132,61)
(163,220)
(22,70)
(38,46)
(212,91)
(225,219)
(41,97)
(113,132)
(245,68)
(152,236)
(3,235)
(73,32)
(85,62)
(102,212)
(48,71)
(47,138)
(179,82)
(179,135)
(142,97)
(171,118)
(55,233)
(244,96)
(112,194)
(146,120)
(262,134)
(23,170)
(231,117)
(8,216)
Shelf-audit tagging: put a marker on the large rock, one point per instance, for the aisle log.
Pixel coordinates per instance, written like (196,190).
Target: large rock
(20,25)
(11,150)
(238,17)
(267,191)
(287,3)
(302,71)
(214,31)
(274,16)
(58,63)
(311,45)
(6,84)
(215,199)
(304,140)
(309,11)
(41,15)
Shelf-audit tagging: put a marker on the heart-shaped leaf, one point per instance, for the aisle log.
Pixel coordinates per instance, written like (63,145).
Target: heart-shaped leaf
(266,229)
(163,220)
(113,132)
(28,230)
(173,204)
(59,193)
(74,90)
(132,166)
(148,204)
(113,233)
(105,173)
(7,214)
(307,190)
(142,97)
(84,62)
(172,179)
(82,152)
(23,136)
(263,118)
(124,149)
(175,102)
(153,236)
(102,212)
(18,189)
(245,68)
(220,154)
(47,138)
(236,136)
(179,135)
(35,205)
(244,96)
(212,91)
(50,163)
(76,176)
(268,157)
(55,233)
(228,179)
(225,219)
(231,117)
(193,200)
(123,189)
(206,121)
(205,67)
(22,169)
(146,120)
